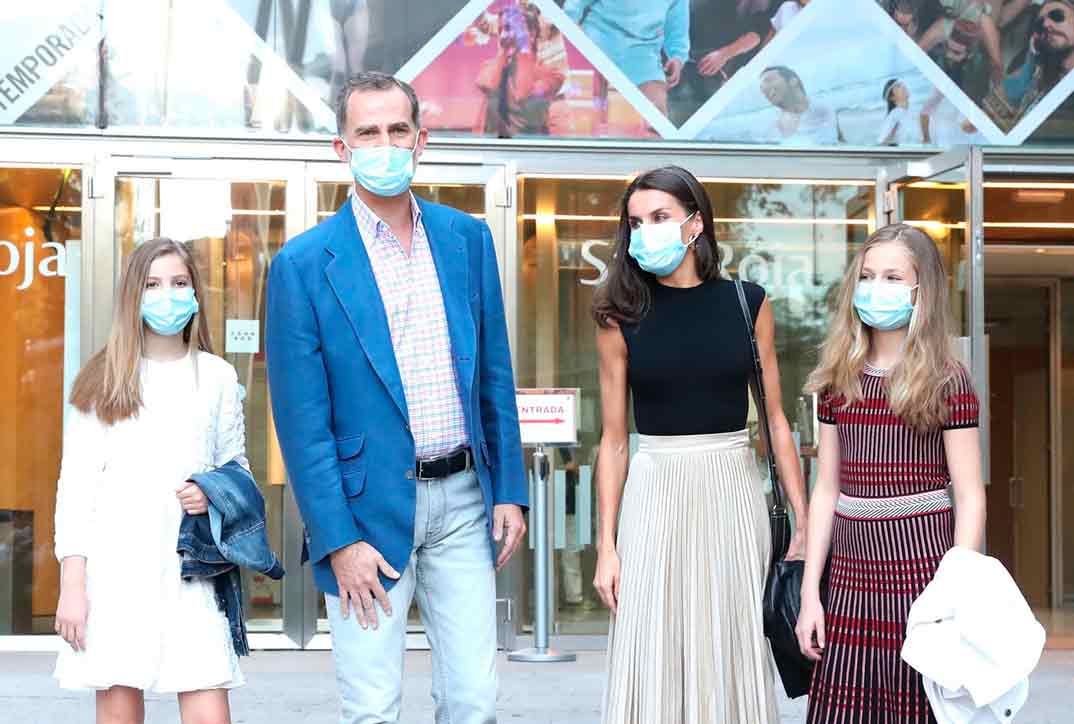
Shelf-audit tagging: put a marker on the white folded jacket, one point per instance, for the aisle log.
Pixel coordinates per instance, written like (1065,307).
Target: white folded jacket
(974,639)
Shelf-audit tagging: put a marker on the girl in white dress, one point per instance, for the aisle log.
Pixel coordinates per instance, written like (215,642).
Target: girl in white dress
(151,409)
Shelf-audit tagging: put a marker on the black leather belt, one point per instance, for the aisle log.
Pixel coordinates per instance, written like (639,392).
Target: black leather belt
(457,462)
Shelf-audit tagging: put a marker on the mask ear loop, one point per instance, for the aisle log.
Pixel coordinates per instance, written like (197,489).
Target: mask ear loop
(693,239)
(682,177)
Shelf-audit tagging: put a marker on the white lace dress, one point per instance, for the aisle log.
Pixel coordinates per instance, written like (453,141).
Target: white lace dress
(116,505)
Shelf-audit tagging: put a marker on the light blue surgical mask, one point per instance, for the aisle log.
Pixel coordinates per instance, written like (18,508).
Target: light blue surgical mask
(658,248)
(884,305)
(167,311)
(382,170)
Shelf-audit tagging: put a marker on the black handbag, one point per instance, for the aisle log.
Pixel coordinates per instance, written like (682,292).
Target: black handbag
(783,587)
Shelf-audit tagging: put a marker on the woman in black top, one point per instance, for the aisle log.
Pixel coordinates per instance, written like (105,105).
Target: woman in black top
(685,571)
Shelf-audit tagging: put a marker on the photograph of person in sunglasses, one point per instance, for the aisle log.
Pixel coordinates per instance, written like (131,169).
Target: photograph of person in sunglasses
(1047,58)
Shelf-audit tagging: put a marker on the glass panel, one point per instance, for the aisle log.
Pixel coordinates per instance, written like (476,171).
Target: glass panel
(794,238)
(940,209)
(50,59)
(40,261)
(470,198)
(235,229)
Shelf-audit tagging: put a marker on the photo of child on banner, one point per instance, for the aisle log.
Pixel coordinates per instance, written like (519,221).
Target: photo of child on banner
(512,73)
(1006,55)
(679,53)
(877,95)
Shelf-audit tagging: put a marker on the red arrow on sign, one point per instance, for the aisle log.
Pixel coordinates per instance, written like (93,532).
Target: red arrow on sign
(556,421)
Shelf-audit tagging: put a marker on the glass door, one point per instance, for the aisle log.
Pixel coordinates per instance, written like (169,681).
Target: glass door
(943,195)
(235,216)
(1027,456)
(1029,266)
(484,191)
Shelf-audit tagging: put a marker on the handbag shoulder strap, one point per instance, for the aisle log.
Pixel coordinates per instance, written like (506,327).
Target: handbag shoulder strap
(759,397)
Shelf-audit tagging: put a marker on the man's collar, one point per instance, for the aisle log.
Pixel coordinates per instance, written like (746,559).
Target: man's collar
(379,225)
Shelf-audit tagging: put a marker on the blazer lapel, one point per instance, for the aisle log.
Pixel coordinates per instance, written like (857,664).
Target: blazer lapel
(449,249)
(350,275)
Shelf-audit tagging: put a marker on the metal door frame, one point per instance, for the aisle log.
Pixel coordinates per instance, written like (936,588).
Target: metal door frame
(106,272)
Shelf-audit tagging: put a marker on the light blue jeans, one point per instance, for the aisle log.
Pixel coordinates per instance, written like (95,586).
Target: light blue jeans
(451,571)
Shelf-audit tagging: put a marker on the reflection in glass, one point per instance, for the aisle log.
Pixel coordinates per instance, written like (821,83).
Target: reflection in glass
(40,261)
(235,229)
(940,210)
(792,238)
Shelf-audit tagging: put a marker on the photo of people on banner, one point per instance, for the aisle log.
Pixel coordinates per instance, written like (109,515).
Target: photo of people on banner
(1006,55)
(512,73)
(876,95)
(326,41)
(680,52)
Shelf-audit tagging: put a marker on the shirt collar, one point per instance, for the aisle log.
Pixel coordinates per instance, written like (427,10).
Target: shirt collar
(366,217)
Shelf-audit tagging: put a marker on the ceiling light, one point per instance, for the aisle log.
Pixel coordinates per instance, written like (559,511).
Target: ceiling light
(1039,196)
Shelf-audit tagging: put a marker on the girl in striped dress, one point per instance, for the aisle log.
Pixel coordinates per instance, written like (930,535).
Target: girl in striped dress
(898,445)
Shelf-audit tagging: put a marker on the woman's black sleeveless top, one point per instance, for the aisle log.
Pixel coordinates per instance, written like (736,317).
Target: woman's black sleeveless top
(689,359)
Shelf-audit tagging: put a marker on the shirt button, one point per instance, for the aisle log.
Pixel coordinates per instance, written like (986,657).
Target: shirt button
(409,474)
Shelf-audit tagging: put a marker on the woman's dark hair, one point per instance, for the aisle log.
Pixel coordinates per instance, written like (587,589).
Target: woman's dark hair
(888,87)
(624,297)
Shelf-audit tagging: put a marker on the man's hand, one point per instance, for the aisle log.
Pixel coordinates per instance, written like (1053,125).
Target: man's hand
(673,72)
(507,519)
(356,567)
(713,62)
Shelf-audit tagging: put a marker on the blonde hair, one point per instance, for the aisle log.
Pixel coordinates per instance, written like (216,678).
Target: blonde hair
(916,385)
(110,383)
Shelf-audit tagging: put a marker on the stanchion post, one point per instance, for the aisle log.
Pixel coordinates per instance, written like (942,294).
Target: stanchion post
(542,569)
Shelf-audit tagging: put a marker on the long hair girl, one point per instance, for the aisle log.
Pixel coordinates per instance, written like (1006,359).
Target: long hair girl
(152,410)
(916,383)
(110,383)
(898,442)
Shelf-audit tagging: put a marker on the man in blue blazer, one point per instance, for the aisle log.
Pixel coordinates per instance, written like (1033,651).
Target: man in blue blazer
(394,403)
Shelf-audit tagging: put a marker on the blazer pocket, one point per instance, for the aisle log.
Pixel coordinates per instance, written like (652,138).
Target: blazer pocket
(352,463)
(484,448)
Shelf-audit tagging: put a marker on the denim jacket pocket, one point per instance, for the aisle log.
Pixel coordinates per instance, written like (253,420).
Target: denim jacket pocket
(352,463)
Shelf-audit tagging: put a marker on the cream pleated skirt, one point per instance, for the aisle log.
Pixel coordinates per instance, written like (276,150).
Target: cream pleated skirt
(687,645)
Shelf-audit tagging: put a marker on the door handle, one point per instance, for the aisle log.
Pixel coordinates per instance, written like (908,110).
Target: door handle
(1016,492)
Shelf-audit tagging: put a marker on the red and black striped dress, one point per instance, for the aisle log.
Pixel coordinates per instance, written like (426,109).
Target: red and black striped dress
(879,565)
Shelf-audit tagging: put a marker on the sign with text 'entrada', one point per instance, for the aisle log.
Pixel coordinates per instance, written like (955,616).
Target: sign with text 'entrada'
(548,416)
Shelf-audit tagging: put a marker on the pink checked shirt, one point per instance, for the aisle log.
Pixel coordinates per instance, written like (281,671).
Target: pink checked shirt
(410,290)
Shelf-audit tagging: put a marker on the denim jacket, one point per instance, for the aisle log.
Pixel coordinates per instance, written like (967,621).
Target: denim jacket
(231,535)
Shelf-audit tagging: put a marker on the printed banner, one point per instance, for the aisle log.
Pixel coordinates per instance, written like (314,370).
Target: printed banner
(512,72)
(42,43)
(883,92)
(930,73)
